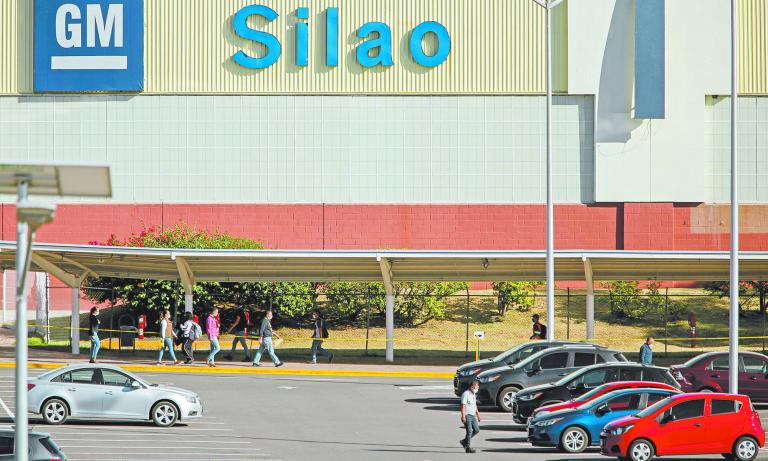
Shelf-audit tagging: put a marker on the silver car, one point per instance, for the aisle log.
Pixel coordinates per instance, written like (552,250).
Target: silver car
(108,392)
(41,446)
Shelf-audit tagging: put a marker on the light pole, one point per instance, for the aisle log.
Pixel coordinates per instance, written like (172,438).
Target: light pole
(548,6)
(25,180)
(733,311)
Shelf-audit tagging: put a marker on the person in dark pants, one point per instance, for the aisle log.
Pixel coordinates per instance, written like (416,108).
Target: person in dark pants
(470,416)
(189,334)
(93,333)
(319,333)
(539,329)
(240,328)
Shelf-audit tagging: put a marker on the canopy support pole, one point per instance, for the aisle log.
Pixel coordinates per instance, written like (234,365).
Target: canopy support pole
(590,314)
(389,291)
(187,280)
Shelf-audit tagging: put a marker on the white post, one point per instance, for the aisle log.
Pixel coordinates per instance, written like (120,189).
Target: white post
(733,317)
(5,275)
(75,334)
(390,314)
(23,240)
(590,314)
(550,207)
(188,301)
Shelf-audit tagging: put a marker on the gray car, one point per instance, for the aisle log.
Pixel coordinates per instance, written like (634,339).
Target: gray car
(498,386)
(41,447)
(107,392)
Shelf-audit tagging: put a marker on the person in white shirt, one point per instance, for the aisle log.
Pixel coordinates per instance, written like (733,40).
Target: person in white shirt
(167,334)
(469,415)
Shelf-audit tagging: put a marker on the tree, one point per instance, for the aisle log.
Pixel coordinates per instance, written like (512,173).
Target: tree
(291,300)
(520,295)
(749,293)
(416,302)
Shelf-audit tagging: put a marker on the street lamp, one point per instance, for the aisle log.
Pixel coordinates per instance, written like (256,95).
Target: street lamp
(37,179)
(733,311)
(548,5)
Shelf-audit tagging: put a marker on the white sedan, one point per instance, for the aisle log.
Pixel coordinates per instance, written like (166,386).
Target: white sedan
(96,391)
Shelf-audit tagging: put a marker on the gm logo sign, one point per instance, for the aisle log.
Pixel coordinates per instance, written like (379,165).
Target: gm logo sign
(89,45)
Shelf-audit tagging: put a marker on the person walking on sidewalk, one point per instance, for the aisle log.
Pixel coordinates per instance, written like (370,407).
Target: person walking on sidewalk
(190,331)
(470,416)
(93,333)
(167,336)
(318,335)
(646,352)
(212,329)
(265,338)
(240,328)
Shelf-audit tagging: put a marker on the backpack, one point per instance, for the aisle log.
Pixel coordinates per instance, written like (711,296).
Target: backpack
(196,332)
(323,330)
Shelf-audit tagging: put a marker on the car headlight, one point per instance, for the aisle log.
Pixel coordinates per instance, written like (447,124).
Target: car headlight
(191,399)
(470,372)
(548,422)
(621,429)
(489,379)
(528,397)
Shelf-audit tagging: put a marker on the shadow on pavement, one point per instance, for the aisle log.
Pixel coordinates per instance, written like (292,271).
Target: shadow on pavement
(502,427)
(508,440)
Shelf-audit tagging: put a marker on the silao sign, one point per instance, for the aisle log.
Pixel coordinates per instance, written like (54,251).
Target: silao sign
(375,50)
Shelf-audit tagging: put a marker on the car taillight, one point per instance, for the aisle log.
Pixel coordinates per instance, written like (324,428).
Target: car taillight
(30,387)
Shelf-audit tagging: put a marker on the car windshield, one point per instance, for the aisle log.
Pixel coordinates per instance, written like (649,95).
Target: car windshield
(693,361)
(573,376)
(515,354)
(653,408)
(588,396)
(530,359)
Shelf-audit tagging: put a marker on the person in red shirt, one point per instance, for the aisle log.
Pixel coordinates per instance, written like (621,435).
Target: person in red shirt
(539,329)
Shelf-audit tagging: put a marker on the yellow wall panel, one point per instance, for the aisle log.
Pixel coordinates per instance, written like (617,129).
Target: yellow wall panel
(497,47)
(753,46)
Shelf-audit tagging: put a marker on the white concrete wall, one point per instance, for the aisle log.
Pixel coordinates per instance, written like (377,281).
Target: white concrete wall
(642,160)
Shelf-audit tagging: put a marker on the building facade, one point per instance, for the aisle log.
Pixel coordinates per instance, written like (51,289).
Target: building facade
(392,123)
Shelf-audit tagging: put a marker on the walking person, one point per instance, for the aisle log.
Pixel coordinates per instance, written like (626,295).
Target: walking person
(212,329)
(167,336)
(93,333)
(646,352)
(265,338)
(318,335)
(539,329)
(240,328)
(470,416)
(189,332)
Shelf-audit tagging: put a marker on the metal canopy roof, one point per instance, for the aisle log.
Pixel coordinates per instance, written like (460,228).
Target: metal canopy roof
(72,262)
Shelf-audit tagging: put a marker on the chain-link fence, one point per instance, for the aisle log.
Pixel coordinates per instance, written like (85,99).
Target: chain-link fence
(681,321)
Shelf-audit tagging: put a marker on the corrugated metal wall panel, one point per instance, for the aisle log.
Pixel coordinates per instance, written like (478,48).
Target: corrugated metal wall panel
(15,46)
(753,47)
(497,47)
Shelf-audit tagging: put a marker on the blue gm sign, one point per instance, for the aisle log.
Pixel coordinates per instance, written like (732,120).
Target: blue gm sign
(89,45)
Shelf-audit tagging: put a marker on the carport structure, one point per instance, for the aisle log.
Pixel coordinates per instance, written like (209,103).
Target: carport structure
(73,263)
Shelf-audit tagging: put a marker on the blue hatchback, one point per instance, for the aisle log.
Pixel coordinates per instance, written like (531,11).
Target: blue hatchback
(574,429)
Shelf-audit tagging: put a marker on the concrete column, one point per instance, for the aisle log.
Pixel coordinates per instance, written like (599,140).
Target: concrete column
(390,315)
(75,334)
(590,312)
(5,275)
(188,302)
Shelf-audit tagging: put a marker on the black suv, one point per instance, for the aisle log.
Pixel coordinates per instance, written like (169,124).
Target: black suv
(582,381)
(498,386)
(466,373)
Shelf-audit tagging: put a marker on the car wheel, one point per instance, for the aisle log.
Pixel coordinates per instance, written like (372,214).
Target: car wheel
(55,411)
(745,449)
(506,396)
(640,450)
(164,414)
(574,440)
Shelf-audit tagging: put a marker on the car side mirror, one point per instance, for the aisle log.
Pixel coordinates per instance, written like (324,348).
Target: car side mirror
(135,384)
(668,419)
(603,410)
(581,387)
(535,368)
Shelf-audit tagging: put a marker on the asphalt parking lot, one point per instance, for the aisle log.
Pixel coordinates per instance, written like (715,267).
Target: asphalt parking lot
(261,417)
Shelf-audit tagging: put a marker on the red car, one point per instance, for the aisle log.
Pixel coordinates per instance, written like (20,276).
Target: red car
(709,373)
(600,390)
(687,424)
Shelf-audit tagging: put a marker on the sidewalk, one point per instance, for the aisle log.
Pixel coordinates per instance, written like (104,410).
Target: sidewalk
(53,359)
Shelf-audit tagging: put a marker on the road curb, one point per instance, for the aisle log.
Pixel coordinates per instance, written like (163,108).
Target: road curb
(258,371)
